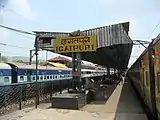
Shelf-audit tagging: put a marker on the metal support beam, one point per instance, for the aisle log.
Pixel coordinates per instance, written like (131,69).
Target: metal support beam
(108,71)
(36,53)
(30,57)
(76,65)
(79,70)
(73,71)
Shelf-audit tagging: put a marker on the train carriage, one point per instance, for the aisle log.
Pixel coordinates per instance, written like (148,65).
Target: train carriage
(5,74)
(145,76)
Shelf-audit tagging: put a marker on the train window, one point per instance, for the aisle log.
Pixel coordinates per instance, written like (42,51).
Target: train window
(60,76)
(47,77)
(44,77)
(51,77)
(21,78)
(6,79)
(41,77)
(33,78)
(158,85)
(37,77)
(56,76)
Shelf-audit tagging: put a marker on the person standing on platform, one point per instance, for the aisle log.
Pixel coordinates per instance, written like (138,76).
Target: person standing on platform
(121,80)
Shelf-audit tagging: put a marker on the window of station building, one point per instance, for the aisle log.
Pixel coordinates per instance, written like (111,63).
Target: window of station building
(56,76)
(44,77)
(48,77)
(158,82)
(41,77)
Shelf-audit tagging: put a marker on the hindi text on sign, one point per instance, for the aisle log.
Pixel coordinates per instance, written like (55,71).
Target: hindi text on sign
(75,44)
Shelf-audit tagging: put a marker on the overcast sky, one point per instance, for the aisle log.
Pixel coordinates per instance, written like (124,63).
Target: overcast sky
(70,15)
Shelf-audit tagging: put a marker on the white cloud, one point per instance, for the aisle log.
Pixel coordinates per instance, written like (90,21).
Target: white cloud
(23,8)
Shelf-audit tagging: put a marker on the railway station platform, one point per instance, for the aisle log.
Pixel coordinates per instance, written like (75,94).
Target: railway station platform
(120,103)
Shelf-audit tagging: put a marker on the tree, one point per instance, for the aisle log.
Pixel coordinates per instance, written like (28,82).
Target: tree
(19,61)
(3,59)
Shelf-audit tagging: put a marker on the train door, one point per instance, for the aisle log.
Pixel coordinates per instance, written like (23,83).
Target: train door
(152,81)
(158,92)
(144,85)
(147,89)
(146,80)
(157,77)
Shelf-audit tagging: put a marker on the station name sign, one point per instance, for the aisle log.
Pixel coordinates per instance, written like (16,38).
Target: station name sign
(75,44)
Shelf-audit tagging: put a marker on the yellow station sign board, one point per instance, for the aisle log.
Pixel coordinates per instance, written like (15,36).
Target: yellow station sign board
(75,44)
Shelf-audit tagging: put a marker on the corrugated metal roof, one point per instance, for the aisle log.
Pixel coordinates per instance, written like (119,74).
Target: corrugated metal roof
(106,36)
(109,35)
(115,40)
(33,66)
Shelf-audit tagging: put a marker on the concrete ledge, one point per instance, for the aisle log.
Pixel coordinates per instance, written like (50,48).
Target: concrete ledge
(68,101)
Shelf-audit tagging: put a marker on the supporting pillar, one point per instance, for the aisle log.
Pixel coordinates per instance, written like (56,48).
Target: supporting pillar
(76,65)
(114,71)
(73,71)
(79,70)
(36,53)
(108,71)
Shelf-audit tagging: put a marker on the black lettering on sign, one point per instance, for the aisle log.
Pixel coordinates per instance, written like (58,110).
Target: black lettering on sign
(60,48)
(92,47)
(75,41)
(81,47)
(57,49)
(67,48)
(87,47)
(63,41)
(75,47)
(86,40)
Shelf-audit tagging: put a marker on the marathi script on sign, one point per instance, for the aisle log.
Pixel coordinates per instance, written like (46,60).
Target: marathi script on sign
(75,44)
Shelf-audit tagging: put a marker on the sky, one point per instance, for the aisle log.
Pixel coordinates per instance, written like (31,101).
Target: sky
(70,15)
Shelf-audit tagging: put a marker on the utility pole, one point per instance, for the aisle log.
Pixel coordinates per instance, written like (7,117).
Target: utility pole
(37,88)
(30,57)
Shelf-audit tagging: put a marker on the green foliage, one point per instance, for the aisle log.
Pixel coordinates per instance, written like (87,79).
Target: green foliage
(3,59)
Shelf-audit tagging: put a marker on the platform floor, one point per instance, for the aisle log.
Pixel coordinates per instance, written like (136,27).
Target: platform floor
(121,104)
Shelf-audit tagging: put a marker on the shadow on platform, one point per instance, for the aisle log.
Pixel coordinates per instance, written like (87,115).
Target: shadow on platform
(103,94)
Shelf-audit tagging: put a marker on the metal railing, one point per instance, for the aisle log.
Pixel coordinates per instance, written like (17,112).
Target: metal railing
(17,96)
